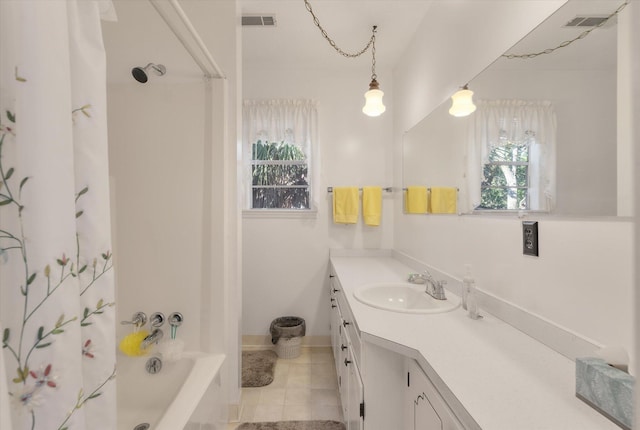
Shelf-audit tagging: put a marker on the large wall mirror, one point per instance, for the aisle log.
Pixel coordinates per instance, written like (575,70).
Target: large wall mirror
(579,80)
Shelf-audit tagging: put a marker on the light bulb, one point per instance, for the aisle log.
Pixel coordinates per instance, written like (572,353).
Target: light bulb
(373,105)
(462,103)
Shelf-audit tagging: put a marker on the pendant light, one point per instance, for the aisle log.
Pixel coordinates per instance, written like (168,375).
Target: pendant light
(462,102)
(373,105)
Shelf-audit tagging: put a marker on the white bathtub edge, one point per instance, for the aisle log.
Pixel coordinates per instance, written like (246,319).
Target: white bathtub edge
(205,368)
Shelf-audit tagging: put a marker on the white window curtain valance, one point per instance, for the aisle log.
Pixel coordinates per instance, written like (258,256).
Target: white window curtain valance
(289,121)
(531,123)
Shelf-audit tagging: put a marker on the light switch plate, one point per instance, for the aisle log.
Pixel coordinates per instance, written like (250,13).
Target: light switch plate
(530,238)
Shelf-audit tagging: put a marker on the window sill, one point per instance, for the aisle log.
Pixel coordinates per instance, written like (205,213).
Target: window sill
(509,212)
(280,213)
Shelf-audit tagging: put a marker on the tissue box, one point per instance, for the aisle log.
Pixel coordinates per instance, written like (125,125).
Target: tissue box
(606,389)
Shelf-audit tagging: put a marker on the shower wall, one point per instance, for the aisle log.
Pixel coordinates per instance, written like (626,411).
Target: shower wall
(173,166)
(156,150)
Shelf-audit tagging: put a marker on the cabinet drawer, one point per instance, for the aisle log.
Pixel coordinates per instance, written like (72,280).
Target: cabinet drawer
(353,335)
(348,323)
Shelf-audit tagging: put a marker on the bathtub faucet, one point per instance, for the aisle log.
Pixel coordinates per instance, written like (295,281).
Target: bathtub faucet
(154,337)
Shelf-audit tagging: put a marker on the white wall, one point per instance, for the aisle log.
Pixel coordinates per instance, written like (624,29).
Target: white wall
(286,260)
(433,153)
(153,141)
(634,86)
(582,280)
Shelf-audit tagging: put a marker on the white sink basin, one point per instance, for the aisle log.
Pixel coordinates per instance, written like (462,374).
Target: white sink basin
(403,297)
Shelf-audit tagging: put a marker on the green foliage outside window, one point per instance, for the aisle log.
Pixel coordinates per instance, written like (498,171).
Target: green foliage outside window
(506,178)
(279,176)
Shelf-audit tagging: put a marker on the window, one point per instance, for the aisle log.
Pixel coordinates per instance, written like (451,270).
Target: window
(279,176)
(278,136)
(505,184)
(511,156)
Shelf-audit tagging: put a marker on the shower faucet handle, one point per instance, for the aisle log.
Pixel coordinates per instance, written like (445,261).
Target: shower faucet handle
(157,319)
(138,319)
(175,319)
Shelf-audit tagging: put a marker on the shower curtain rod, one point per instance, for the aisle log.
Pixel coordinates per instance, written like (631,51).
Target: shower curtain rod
(213,71)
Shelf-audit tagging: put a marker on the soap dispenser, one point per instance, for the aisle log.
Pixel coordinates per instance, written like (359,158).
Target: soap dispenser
(469,294)
(467,284)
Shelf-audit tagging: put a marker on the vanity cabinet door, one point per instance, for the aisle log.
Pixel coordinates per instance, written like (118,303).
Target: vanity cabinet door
(424,416)
(339,344)
(353,417)
(425,409)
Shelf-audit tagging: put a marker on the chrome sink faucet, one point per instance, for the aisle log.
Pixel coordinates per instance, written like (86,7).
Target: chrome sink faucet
(434,288)
(417,278)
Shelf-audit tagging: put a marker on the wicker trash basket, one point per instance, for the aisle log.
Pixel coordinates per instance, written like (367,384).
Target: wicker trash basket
(286,334)
(288,348)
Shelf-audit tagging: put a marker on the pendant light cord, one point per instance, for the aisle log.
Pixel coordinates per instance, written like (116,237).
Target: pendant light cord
(373,54)
(371,43)
(568,42)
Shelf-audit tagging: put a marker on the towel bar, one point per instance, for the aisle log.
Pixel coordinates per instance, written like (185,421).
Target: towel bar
(387,189)
(429,189)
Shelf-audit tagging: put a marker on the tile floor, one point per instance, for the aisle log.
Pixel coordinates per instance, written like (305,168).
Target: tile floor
(304,388)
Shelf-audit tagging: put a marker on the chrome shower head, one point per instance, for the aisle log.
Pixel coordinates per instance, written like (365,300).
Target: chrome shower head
(140,73)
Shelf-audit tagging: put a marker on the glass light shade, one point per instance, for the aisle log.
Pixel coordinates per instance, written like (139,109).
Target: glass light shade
(373,105)
(462,103)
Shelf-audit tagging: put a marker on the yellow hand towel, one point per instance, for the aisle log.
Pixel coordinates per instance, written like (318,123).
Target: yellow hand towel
(345,205)
(415,201)
(372,205)
(443,200)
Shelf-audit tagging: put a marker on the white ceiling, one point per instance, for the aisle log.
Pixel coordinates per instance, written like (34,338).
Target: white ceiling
(597,51)
(296,42)
(140,36)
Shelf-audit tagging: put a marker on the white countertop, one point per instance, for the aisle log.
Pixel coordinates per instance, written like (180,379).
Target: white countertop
(503,378)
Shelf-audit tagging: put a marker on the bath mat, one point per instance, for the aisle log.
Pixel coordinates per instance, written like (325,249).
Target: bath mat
(257,368)
(293,425)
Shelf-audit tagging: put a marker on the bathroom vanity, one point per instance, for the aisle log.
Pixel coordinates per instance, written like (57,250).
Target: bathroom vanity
(442,370)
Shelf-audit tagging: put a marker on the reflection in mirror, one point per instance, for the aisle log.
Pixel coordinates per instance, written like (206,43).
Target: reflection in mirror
(580,82)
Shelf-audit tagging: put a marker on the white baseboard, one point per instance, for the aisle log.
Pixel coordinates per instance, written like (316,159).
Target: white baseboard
(234,413)
(253,342)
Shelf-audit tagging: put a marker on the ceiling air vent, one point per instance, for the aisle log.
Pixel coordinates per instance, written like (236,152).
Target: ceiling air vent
(586,21)
(258,20)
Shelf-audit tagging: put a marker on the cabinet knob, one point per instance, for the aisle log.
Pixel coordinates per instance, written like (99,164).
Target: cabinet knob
(343,347)
(347,362)
(333,306)
(332,276)
(335,290)
(345,323)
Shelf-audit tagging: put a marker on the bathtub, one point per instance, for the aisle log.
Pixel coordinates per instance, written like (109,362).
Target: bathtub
(165,400)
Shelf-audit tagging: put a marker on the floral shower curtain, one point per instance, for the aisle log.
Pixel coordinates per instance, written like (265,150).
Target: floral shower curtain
(56,279)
